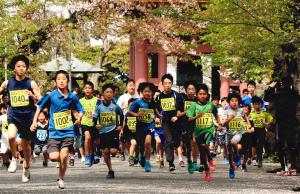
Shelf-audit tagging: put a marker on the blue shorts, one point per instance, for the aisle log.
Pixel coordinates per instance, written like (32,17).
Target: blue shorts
(161,137)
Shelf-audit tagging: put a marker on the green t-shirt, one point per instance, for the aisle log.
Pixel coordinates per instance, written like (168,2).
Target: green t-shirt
(260,118)
(205,123)
(89,106)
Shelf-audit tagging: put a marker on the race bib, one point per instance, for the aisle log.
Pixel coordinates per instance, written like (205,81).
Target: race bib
(62,120)
(235,124)
(4,126)
(131,123)
(187,105)
(148,115)
(168,104)
(107,119)
(205,121)
(259,123)
(41,135)
(19,98)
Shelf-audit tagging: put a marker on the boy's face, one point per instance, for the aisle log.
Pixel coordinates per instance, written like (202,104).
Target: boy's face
(61,81)
(108,94)
(167,84)
(202,96)
(191,91)
(117,92)
(234,103)
(256,106)
(20,68)
(41,118)
(246,110)
(131,88)
(147,93)
(5,99)
(88,90)
(215,102)
(251,89)
(3,111)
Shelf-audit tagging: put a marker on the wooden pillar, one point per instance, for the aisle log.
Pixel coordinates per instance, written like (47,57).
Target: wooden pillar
(225,86)
(138,61)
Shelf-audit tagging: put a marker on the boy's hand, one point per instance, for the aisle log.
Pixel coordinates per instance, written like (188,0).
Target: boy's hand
(98,127)
(78,122)
(174,119)
(140,113)
(33,126)
(200,114)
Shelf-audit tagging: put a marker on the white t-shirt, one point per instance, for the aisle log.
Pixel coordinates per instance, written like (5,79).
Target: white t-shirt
(4,136)
(123,101)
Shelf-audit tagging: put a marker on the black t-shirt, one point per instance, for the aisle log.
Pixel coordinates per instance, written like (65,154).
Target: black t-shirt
(169,104)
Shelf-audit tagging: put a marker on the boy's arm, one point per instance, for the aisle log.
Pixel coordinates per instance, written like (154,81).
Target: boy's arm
(36,91)
(3,86)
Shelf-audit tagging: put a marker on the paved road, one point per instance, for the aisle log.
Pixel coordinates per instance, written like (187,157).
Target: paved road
(81,179)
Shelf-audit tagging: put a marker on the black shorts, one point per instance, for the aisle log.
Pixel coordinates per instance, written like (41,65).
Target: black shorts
(141,135)
(247,141)
(55,145)
(109,140)
(92,131)
(23,126)
(128,134)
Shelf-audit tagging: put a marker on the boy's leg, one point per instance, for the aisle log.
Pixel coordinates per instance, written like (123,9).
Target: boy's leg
(87,142)
(148,147)
(12,132)
(106,155)
(63,156)
(26,144)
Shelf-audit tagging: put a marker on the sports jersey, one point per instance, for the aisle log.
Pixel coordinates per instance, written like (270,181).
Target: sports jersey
(61,123)
(109,116)
(205,123)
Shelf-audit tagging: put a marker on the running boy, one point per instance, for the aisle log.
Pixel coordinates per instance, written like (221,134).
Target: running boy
(110,118)
(202,112)
(89,103)
(22,92)
(61,102)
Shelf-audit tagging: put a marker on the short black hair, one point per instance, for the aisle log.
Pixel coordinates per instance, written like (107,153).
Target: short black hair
(61,72)
(144,85)
(17,58)
(89,83)
(45,113)
(202,87)
(245,90)
(251,82)
(223,99)
(233,95)
(167,76)
(116,87)
(192,82)
(4,106)
(130,80)
(106,86)
(248,106)
(256,99)
(215,98)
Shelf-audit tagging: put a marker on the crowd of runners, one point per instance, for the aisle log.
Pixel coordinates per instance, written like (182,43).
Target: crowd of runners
(101,123)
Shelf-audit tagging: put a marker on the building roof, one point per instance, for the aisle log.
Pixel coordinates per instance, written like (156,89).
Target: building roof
(78,66)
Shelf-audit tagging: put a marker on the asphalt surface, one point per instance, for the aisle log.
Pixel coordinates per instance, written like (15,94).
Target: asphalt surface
(82,179)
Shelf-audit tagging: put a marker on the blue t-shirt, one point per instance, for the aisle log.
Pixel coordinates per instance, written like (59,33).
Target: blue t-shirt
(147,121)
(109,116)
(21,106)
(61,123)
(42,134)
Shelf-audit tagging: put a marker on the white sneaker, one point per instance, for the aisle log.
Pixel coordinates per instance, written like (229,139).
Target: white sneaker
(57,165)
(82,159)
(254,163)
(25,175)
(13,165)
(60,184)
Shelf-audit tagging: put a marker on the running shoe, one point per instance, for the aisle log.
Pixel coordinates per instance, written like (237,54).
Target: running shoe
(131,161)
(45,163)
(25,175)
(13,165)
(212,165)
(181,163)
(190,168)
(88,160)
(172,167)
(147,166)
(110,175)
(207,176)
(60,183)
(238,161)
(231,173)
